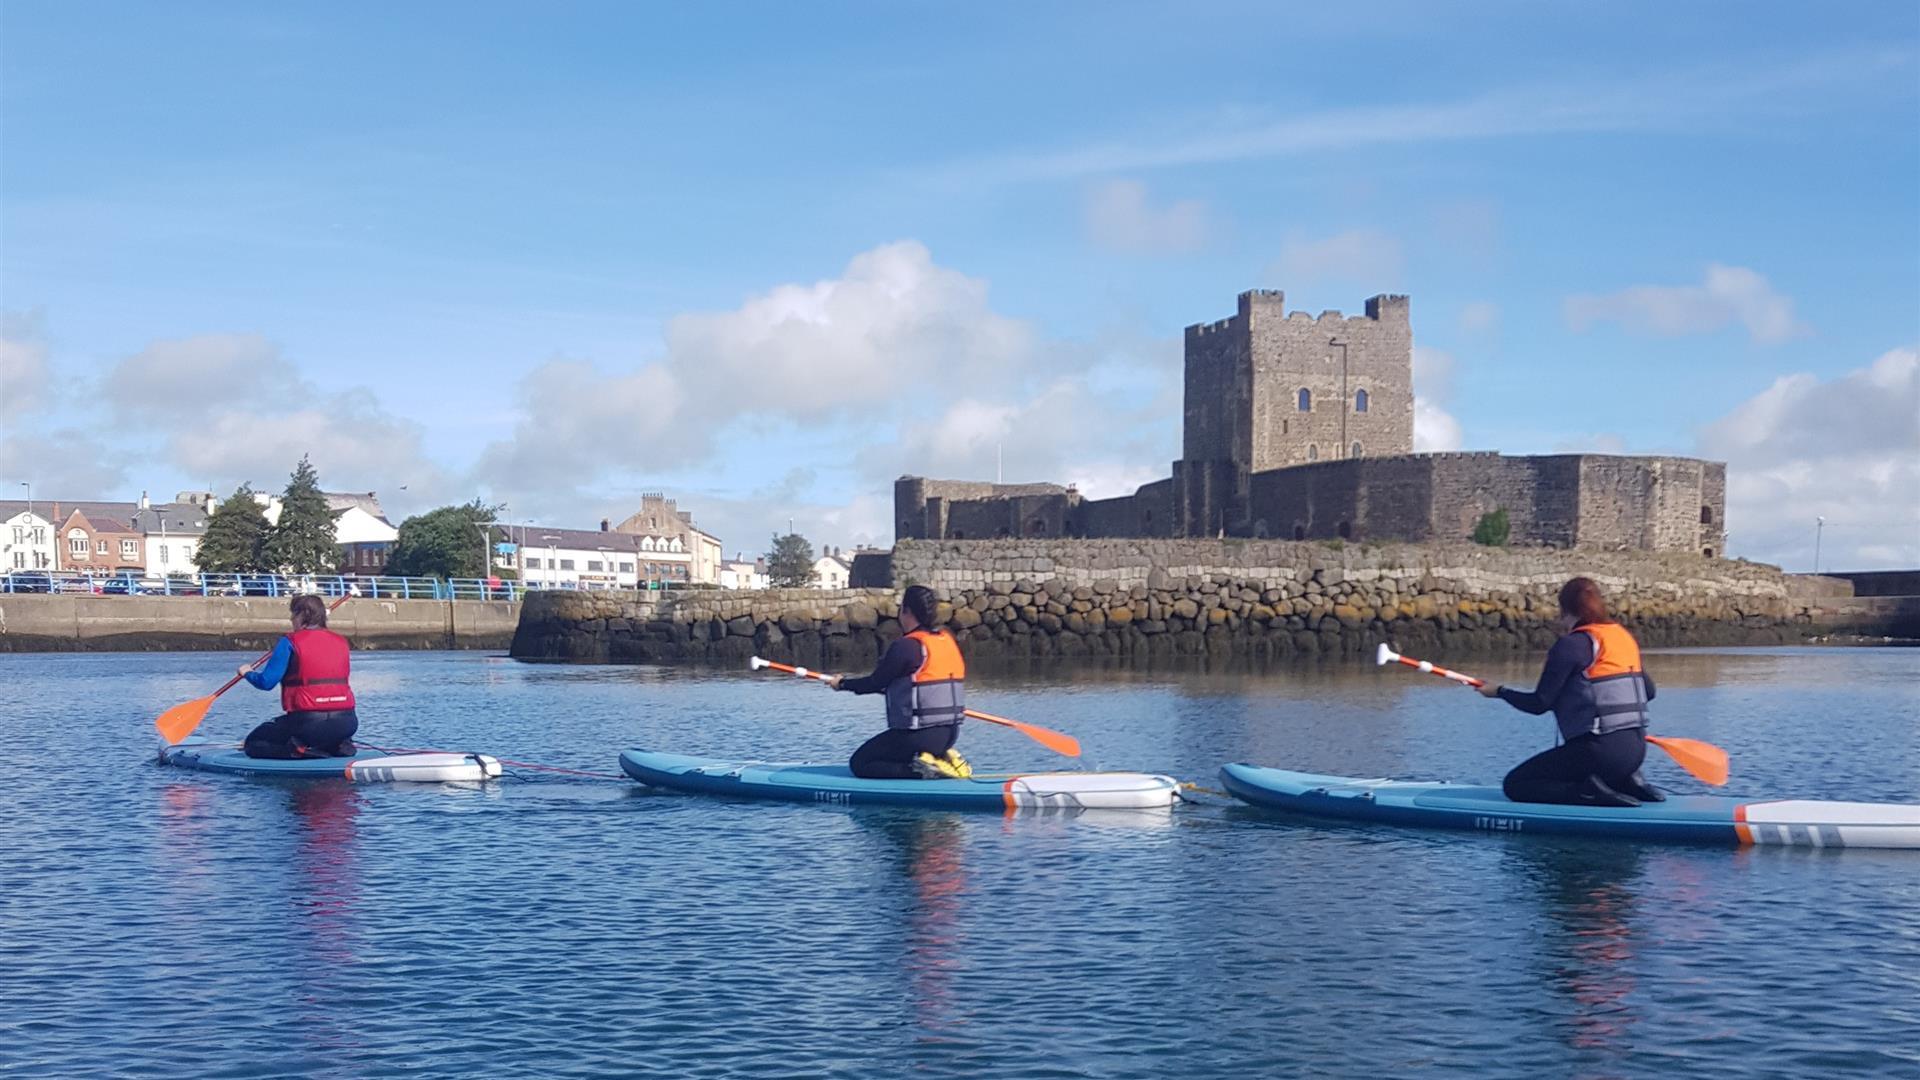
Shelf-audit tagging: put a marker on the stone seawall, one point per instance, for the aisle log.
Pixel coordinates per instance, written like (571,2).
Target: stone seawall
(1263,599)
(57,623)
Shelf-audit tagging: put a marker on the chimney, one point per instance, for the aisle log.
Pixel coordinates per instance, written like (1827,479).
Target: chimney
(605,524)
(144,504)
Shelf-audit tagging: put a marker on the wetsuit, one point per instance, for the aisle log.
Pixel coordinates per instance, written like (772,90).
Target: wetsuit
(319,718)
(1603,741)
(915,725)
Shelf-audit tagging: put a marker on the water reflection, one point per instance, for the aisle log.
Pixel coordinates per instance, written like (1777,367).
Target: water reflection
(1592,897)
(326,885)
(926,854)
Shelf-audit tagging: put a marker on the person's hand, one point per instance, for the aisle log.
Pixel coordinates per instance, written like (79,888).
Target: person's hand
(1488,690)
(245,670)
(833,681)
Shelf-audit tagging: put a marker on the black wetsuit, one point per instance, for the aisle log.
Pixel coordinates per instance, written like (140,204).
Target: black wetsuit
(305,734)
(1561,775)
(889,755)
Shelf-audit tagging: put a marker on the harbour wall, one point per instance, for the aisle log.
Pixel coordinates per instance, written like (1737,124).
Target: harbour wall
(84,623)
(1018,599)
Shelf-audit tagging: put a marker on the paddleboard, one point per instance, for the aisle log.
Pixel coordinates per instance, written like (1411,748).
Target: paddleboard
(1686,819)
(366,767)
(834,784)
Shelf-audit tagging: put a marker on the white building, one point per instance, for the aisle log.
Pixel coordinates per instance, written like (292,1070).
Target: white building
(26,538)
(831,571)
(172,532)
(546,557)
(740,573)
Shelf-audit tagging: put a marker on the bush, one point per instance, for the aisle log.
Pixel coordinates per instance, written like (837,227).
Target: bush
(1493,529)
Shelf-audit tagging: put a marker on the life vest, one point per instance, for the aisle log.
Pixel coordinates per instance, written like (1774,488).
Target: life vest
(1611,694)
(936,693)
(316,679)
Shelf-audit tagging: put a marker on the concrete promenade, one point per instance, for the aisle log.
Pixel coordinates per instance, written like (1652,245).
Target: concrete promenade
(70,623)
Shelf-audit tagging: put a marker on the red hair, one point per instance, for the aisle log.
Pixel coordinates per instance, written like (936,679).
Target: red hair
(1581,599)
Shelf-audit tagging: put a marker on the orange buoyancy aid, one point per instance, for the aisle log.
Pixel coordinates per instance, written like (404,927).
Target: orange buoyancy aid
(935,693)
(1612,691)
(316,679)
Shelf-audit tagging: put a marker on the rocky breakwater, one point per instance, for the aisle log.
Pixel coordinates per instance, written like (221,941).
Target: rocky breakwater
(1147,599)
(820,627)
(1278,599)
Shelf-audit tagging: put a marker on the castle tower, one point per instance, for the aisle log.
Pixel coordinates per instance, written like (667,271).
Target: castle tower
(1266,389)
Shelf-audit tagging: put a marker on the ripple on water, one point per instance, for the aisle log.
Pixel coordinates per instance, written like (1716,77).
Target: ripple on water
(160,923)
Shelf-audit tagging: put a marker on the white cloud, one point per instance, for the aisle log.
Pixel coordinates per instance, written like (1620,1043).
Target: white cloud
(1846,449)
(863,345)
(1480,317)
(1705,98)
(1120,218)
(232,408)
(23,362)
(1365,256)
(1434,429)
(1728,294)
(64,463)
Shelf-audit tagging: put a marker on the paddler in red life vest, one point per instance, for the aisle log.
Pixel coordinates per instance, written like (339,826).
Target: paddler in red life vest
(1598,692)
(310,666)
(924,678)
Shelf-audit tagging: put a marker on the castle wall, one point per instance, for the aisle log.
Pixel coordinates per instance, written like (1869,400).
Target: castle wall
(923,508)
(1009,516)
(1294,352)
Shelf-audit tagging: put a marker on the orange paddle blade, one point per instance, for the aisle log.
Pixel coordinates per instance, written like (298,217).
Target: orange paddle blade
(178,722)
(1702,759)
(1053,740)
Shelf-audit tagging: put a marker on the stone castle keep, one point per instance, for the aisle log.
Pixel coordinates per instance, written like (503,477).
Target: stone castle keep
(1301,427)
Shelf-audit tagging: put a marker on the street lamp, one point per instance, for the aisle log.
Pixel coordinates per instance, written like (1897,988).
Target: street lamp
(606,560)
(552,555)
(1820,526)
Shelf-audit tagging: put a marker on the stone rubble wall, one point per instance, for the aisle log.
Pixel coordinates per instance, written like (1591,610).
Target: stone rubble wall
(1154,598)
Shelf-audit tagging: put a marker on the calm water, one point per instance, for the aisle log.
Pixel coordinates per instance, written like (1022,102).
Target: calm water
(158,922)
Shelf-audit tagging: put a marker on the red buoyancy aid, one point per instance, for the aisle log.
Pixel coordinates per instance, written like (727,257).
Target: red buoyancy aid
(316,679)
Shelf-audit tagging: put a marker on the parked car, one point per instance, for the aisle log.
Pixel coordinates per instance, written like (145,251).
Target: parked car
(29,581)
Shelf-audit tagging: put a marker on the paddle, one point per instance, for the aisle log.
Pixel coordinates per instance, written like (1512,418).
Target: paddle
(178,722)
(1053,740)
(1702,759)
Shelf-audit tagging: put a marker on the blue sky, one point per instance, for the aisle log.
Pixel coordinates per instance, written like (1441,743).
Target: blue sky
(768,258)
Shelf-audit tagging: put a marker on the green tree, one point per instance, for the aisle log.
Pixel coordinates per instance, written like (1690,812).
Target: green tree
(790,564)
(445,543)
(1493,529)
(236,531)
(304,540)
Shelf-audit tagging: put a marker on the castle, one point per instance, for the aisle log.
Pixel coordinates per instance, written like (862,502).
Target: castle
(1302,427)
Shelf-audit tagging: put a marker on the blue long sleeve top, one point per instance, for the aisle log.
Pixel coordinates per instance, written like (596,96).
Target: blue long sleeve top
(1571,655)
(268,675)
(902,658)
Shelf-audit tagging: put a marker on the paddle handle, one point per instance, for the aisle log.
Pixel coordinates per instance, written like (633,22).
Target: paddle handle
(1431,668)
(1058,742)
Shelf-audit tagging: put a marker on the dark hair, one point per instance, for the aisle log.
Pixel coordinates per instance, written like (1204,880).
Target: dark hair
(920,600)
(309,611)
(1581,599)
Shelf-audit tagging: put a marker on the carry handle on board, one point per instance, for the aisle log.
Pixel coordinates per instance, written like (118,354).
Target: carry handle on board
(178,722)
(1702,759)
(1058,742)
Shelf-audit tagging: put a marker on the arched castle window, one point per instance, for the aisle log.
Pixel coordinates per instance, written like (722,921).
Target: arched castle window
(1306,400)
(1706,517)
(1356,450)
(1359,403)
(1313,450)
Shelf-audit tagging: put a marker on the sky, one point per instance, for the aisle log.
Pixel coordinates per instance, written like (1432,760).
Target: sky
(768,258)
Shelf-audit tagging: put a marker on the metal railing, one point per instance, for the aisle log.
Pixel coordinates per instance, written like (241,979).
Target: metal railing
(382,587)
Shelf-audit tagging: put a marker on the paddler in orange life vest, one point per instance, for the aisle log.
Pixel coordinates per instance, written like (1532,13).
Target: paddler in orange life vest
(924,678)
(1598,693)
(310,666)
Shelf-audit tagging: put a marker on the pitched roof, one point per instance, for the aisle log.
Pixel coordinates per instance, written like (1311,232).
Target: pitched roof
(92,508)
(367,500)
(173,519)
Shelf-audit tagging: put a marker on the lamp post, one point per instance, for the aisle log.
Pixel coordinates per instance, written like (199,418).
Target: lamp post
(1819,526)
(606,560)
(552,554)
